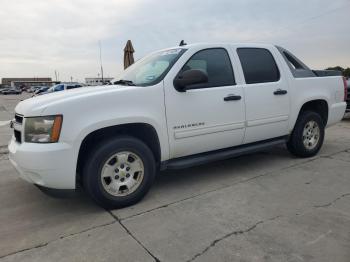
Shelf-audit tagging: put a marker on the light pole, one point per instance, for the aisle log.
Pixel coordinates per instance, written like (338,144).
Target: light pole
(99,43)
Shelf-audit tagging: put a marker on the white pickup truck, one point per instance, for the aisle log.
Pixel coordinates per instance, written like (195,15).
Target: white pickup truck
(173,109)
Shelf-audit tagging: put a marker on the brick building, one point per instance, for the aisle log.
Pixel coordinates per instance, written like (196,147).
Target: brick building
(27,82)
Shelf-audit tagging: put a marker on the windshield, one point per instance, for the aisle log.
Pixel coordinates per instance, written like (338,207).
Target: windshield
(152,69)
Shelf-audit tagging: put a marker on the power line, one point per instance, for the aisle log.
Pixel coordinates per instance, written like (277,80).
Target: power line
(316,16)
(303,21)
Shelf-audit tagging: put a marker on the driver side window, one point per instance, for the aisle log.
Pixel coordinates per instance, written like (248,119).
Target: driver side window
(216,63)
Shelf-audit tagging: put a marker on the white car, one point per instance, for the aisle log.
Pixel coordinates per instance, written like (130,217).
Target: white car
(175,108)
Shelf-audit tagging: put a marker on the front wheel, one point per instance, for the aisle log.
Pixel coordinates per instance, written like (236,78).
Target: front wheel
(119,172)
(308,135)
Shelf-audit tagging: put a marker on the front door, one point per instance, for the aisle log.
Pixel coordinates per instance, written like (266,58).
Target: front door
(205,118)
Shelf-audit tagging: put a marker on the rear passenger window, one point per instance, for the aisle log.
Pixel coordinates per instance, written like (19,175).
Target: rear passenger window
(216,63)
(258,65)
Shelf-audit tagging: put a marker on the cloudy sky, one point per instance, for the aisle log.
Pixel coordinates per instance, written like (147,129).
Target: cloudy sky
(38,37)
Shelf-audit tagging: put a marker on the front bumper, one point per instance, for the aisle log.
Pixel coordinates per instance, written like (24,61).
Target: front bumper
(47,165)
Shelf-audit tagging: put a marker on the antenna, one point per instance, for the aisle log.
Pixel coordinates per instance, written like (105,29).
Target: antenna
(182,43)
(99,43)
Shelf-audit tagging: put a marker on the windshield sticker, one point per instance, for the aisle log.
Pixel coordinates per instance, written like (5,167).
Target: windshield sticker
(150,78)
(171,52)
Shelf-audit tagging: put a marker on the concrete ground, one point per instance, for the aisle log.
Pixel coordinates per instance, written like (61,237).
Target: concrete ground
(268,206)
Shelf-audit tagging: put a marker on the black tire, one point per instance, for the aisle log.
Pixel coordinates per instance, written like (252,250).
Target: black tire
(295,143)
(100,154)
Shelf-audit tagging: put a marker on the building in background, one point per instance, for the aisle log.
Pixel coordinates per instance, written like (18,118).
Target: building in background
(25,83)
(97,81)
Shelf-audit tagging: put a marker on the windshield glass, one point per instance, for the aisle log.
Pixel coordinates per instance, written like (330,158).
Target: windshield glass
(152,69)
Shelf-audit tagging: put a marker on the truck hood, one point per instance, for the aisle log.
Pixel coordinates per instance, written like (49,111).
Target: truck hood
(36,105)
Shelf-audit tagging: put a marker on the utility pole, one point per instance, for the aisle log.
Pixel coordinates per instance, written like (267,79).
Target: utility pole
(99,43)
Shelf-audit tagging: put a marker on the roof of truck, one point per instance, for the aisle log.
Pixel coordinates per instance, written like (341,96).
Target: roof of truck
(204,44)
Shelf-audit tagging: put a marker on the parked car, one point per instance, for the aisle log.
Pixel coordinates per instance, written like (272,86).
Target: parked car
(11,91)
(62,87)
(35,88)
(173,109)
(3,88)
(40,90)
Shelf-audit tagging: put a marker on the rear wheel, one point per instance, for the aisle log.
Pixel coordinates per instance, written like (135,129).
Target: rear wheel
(119,172)
(307,136)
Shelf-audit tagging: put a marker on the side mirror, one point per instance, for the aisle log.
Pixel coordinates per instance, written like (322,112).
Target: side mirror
(184,80)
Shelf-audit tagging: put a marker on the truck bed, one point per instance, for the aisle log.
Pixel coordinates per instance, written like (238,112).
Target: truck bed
(324,73)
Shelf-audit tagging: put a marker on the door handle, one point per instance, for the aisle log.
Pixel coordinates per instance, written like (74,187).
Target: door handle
(232,98)
(280,92)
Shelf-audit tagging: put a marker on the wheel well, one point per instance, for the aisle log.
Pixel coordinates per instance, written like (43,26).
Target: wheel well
(318,106)
(142,131)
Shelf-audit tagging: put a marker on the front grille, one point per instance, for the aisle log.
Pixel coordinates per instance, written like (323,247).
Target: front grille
(18,136)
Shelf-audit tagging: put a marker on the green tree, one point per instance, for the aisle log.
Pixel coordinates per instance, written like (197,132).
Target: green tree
(344,71)
(337,68)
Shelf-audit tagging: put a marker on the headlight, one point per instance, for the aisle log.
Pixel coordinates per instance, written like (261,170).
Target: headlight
(44,129)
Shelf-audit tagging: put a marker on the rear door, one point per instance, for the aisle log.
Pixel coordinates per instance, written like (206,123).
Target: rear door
(267,95)
(205,118)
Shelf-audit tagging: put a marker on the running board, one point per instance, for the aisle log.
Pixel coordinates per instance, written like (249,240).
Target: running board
(203,158)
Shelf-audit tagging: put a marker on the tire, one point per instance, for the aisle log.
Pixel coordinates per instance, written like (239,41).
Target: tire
(108,157)
(299,144)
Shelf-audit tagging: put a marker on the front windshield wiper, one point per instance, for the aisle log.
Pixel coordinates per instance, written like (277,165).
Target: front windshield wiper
(124,82)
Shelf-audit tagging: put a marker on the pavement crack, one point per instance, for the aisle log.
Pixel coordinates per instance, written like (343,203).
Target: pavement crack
(25,249)
(332,202)
(132,236)
(56,239)
(233,233)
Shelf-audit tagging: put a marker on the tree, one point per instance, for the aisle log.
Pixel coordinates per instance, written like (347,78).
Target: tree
(345,71)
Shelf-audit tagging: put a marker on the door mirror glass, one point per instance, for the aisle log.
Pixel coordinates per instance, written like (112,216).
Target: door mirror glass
(186,79)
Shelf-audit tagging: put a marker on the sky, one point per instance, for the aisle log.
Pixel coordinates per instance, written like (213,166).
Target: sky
(38,37)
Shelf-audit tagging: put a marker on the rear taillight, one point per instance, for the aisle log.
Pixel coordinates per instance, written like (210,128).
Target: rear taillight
(345,89)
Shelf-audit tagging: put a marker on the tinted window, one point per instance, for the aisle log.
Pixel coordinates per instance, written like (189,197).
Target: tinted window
(59,88)
(73,86)
(216,63)
(258,65)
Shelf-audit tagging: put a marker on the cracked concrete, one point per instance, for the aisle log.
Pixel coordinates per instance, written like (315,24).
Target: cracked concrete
(335,200)
(130,234)
(237,232)
(268,206)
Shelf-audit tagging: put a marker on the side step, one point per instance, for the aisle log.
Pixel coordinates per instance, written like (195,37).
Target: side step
(207,157)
